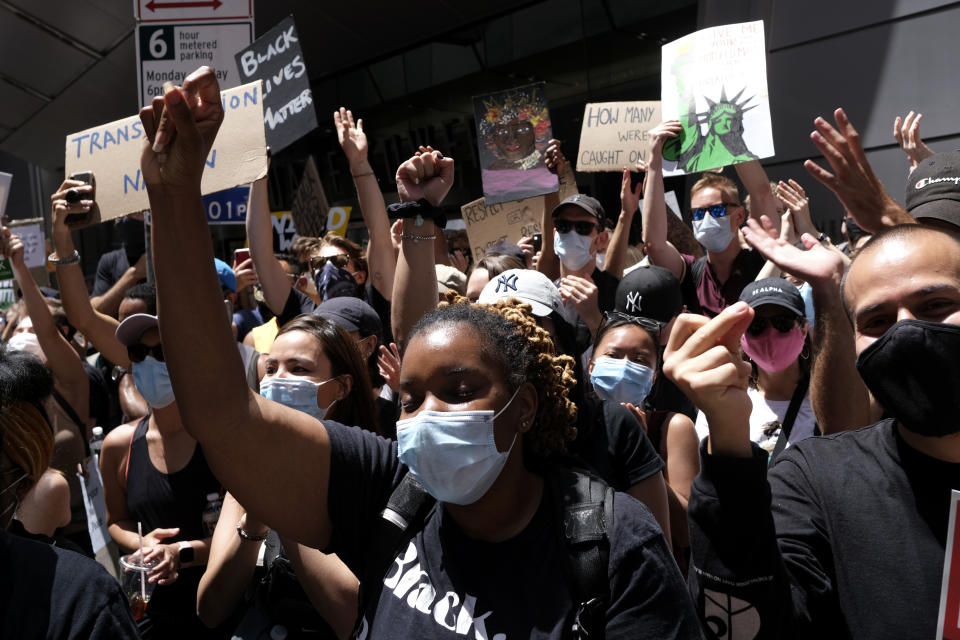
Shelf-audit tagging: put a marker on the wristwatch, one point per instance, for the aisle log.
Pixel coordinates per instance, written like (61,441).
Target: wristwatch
(186,553)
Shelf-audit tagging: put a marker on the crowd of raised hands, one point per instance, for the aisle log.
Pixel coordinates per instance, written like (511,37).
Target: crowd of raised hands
(566,436)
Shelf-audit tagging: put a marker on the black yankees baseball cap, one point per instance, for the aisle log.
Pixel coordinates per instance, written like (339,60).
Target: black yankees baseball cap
(650,291)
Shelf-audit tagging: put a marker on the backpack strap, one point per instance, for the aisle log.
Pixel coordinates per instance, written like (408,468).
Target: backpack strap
(400,520)
(75,419)
(586,505)
(790,417)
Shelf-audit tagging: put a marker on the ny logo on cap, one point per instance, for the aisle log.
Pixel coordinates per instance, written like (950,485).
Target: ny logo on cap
(508,282)
(633,301)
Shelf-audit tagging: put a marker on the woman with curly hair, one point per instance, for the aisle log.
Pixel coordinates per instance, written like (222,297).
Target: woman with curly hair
(478,397)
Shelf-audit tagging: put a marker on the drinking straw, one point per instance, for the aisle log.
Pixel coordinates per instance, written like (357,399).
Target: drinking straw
(143,577)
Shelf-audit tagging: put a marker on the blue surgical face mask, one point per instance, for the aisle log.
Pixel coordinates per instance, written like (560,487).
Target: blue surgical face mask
(620,380)
(296,393)
(714,234)
(453,453)
(573,249)
(153,382)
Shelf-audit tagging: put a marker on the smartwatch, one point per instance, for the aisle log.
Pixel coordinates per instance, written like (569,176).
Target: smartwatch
(186,553)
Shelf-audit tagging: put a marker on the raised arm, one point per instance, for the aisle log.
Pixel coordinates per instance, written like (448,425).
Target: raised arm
(906,131)
(273,459)
(424,176)
(98,328)
(381,261)
(654,213)
(62,359)
(853,181)
(762,201)
(616,258)
(273,279)
(549,264)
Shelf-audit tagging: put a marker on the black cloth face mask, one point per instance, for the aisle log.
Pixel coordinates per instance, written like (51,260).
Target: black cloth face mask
(913,370)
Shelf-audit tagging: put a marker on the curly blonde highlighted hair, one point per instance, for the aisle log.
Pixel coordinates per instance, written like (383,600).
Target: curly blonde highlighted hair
(511,337)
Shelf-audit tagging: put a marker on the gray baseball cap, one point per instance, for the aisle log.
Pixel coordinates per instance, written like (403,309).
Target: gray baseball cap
(525,285)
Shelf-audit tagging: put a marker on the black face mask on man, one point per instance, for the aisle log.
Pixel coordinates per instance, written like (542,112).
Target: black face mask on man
(913,371)
(333,281)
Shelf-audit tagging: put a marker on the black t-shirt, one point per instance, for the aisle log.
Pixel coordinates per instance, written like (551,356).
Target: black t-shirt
(855,547)
(46,592)
(446,585)
(110,268)
(612,443)
(706,294)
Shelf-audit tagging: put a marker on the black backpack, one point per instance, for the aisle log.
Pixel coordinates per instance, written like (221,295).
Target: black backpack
(586,503)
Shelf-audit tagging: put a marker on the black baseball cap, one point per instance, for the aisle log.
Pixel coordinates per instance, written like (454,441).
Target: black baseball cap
(933,189)
(353,314)
(587,203)
(774,291)
(650,291)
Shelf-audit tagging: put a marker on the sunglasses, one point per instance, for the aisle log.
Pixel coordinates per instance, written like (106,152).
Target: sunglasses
(715,211)
(340,260)
(582,227)
(651,326)
(139,352)
(782,323)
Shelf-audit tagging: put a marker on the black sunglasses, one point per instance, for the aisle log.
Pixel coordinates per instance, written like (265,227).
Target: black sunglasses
(715,211)
(783,323)
(138,352)
(340,260)
(582,227)
(653,327)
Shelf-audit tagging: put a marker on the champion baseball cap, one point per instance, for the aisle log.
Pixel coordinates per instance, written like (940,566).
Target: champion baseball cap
(525,285)
(774,291)
(933,188)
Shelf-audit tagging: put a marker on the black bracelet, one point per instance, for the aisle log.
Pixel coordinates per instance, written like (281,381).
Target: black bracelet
(419,211)
(249,536)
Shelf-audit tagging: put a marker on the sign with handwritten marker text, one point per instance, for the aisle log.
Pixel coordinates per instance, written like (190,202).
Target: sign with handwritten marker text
(276,58)
(112,152)
(614,134)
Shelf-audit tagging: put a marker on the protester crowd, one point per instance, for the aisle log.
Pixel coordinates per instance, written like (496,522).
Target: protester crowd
(746,429)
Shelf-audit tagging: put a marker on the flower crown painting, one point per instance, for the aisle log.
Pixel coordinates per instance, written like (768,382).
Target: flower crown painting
(513,130)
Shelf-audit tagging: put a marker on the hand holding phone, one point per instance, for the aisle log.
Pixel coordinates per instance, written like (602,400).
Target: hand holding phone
(537,242)
(90,216)
(239,255)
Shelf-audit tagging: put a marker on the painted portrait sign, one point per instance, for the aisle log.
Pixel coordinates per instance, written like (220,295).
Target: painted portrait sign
(513,129)
(715,82)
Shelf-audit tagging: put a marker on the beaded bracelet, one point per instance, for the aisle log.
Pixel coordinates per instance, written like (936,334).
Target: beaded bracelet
(248,536)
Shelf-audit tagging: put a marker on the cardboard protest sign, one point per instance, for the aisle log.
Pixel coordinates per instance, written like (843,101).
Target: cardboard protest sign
(948,622)
(91,486)
(513,129)
(614,134)
(112,152)
(489,224)
(5,180)
(310,205)
(337,220)
(715,82)
(276,58)
(284,232)
(34,242)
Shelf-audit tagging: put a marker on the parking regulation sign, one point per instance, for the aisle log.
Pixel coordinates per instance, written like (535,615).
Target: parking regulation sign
(172,51)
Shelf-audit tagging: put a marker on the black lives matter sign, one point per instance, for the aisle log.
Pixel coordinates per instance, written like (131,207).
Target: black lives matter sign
(276,58)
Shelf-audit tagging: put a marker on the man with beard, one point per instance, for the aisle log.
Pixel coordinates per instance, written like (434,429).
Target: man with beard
(845,536)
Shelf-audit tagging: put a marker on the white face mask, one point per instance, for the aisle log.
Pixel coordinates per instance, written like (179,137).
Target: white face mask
(296,393)
(714,234)
(453,453)
(573,249)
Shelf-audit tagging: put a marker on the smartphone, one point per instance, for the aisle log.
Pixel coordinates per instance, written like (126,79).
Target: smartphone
(239,255)
(91,216)
(537,242)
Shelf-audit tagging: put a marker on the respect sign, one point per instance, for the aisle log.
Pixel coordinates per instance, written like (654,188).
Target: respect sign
(112,152)
(276,58)
(489,224)
(614,134)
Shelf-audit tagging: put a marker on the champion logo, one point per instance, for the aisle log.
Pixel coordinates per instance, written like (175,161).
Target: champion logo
(508,282)
(925,182)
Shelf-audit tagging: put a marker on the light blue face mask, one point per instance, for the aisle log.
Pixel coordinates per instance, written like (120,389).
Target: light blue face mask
(620,380)
(153,382)
(573,249)
(453,453)
(296,393)
(714,234)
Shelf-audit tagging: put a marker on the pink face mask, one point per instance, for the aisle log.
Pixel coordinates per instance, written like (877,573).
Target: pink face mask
(772,350)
